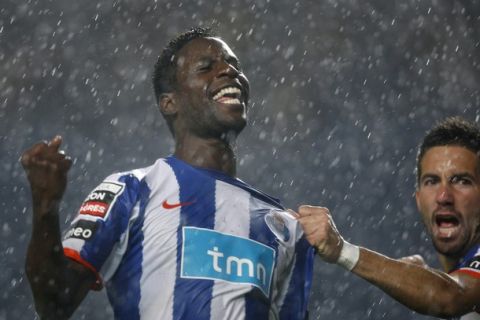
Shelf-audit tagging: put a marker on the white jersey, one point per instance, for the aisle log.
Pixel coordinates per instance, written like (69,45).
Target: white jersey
(173,241)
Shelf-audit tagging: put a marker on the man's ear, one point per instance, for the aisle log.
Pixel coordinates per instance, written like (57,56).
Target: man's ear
(167,104)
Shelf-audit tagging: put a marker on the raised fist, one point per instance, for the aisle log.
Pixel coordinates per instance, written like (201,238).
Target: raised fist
(320,231)
(46,167)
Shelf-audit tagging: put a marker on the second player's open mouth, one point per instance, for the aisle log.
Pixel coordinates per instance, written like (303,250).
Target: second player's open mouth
(447,225)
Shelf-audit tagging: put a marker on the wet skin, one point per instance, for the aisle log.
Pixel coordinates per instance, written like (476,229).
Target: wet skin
(204,67)
(448,198)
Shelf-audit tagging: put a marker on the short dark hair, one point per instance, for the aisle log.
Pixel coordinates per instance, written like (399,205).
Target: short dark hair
(454,131)
(164,74)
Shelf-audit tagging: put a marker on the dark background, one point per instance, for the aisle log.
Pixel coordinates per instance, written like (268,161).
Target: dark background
(342,92)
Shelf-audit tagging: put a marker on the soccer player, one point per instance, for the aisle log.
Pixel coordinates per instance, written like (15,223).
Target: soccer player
(448,198)
(180,239)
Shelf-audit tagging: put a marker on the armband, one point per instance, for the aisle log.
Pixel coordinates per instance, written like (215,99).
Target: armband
(348,256)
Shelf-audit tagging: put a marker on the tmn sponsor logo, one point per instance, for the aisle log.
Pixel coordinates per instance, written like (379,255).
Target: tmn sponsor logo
(209,254)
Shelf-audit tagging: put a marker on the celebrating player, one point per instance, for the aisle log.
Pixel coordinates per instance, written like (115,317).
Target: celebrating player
(182,238)
(448,197)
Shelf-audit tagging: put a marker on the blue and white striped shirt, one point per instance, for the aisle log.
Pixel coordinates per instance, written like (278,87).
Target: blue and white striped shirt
(173,241)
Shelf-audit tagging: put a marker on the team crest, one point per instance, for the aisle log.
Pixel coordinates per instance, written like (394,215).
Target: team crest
(275,221)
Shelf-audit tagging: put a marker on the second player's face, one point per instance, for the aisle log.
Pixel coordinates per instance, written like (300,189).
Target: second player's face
(211,88)
(448,198)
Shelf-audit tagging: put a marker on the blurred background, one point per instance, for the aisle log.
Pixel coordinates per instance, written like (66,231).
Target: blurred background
(342,92)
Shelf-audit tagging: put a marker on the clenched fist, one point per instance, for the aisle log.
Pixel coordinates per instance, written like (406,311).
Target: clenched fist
(320,231)
(46,167)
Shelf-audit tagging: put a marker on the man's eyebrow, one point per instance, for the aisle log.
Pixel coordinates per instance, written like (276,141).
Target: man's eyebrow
(206,59)
(463,175)
(428,175)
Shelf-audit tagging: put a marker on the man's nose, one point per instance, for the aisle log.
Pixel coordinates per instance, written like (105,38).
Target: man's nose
(444,194)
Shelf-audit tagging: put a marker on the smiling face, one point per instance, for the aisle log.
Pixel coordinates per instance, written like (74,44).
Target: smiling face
(211,91)
(448,197)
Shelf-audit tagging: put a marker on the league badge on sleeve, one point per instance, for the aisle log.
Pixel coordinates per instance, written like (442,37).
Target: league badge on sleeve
(101,199)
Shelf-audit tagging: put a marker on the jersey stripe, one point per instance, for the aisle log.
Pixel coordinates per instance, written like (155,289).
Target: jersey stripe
(257,305)
(160,246)
(192,298)
(240,184)
(231,218)
(124,289)
(295,303)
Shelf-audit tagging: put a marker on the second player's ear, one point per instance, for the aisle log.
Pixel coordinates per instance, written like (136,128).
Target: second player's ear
(167,104)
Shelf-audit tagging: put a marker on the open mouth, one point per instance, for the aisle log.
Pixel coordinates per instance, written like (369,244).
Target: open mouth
(228,95)
(447,225)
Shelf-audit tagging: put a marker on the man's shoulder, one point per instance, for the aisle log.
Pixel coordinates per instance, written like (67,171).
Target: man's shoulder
(473,252)
(470,262)
(138,173)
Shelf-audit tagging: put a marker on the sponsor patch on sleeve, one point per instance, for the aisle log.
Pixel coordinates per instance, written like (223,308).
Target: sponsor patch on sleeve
(82,229)
(101,199)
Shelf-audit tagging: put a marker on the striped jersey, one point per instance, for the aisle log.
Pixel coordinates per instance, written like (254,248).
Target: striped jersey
(173,241)
(469,264)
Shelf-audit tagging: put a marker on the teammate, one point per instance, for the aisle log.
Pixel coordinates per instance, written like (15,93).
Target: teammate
(448,197)
(182,238)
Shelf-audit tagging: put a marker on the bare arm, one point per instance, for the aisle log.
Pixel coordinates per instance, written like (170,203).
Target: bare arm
(410,282)
(423,289)
(58,283)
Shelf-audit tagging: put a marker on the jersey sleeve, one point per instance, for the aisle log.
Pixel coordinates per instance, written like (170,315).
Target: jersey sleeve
(97,237)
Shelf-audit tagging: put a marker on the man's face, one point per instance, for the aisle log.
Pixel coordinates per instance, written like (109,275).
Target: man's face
(211,91)
(448,198)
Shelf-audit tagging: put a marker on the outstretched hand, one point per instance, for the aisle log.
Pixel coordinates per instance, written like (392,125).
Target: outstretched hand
(46,167)
(320,231)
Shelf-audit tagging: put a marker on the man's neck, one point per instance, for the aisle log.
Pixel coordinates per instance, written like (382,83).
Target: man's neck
(447,263)
(209,153)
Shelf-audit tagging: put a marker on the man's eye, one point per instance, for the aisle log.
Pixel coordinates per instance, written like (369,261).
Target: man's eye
(461,180)
(429,182)
(205,67)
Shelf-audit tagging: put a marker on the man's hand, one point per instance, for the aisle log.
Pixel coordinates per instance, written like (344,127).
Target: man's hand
(46,167)
(320,231)
(58,283)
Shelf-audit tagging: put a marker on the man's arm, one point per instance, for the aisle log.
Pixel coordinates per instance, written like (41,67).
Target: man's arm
(410,282)
(58,283)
